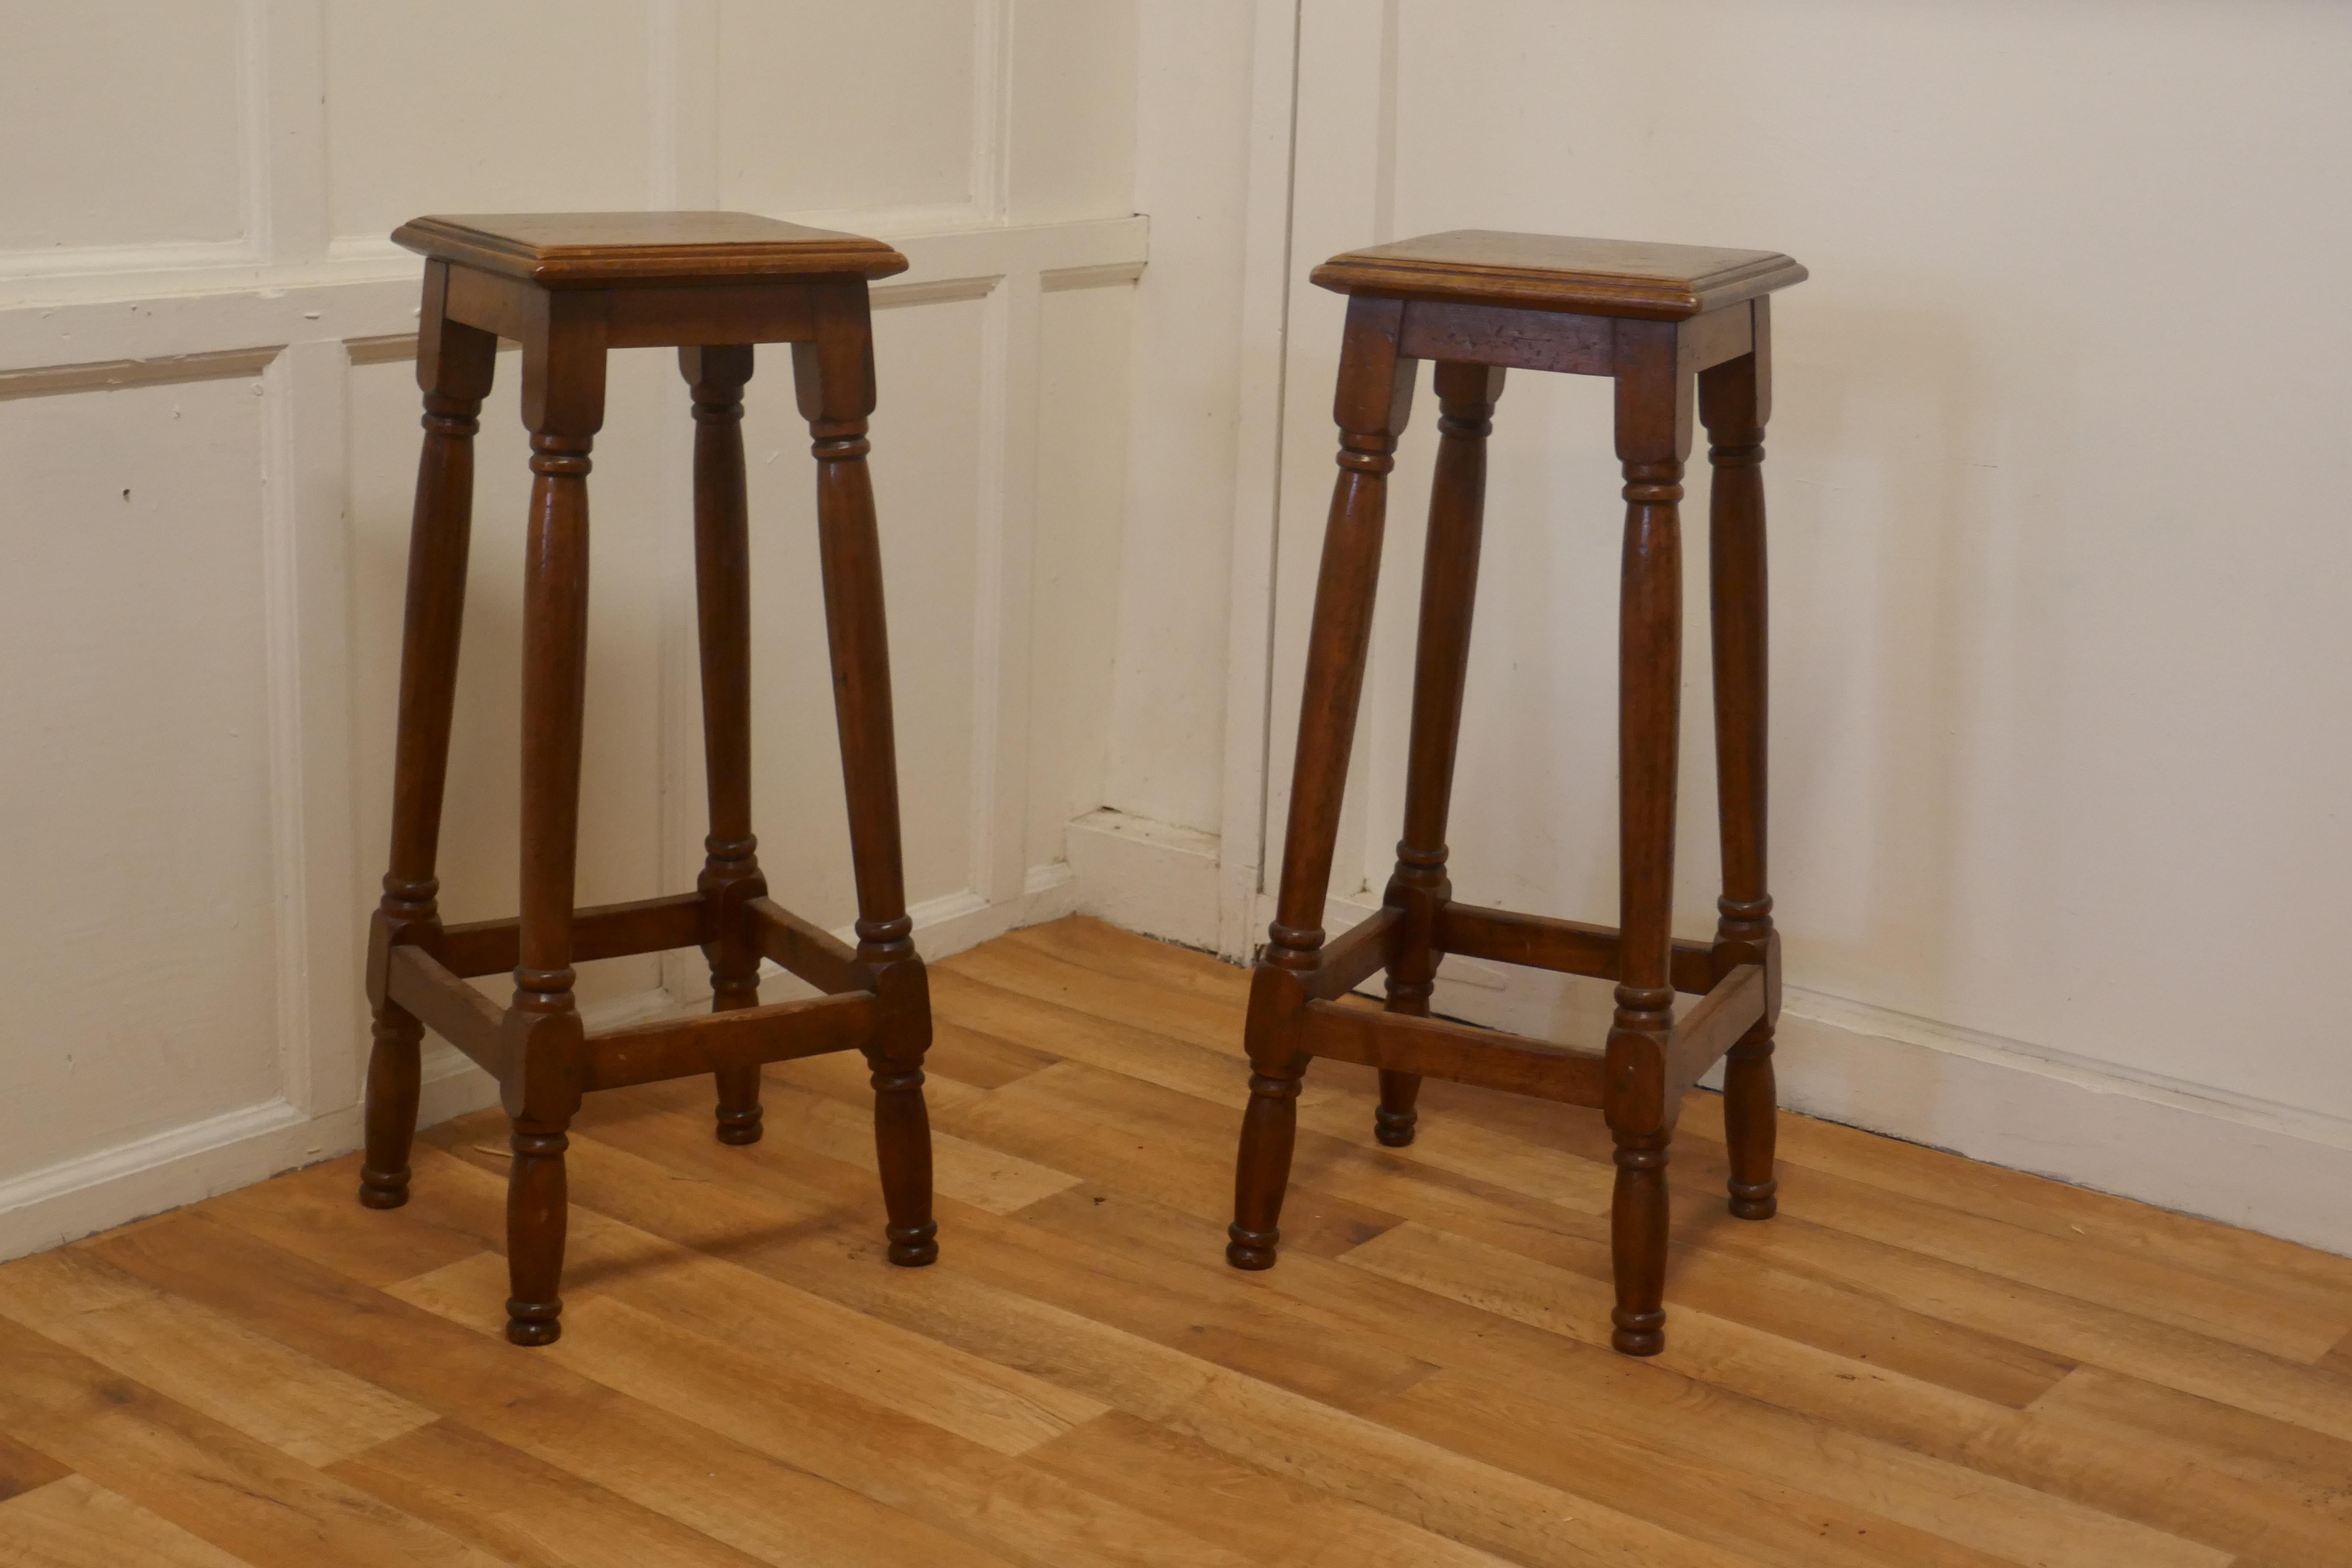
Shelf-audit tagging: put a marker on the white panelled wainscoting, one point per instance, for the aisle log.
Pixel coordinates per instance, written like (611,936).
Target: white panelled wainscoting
(209,433)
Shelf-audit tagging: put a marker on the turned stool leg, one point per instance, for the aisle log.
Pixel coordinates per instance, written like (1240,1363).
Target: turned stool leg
(563,404)
(834,379)
(731,876)
(1375,398)
(1653,424)
(1449,590)
(454,366)
(1734,401)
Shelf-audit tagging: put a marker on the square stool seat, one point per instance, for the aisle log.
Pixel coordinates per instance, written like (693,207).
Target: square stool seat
(601,251)
(1555,272)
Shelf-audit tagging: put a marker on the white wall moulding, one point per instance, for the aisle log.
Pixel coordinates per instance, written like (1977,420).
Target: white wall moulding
(1147,875)
(68,271)
(41,1208)
(111,375)
(142,318)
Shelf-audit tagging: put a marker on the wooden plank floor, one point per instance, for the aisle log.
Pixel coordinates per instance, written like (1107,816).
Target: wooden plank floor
(1921,1362)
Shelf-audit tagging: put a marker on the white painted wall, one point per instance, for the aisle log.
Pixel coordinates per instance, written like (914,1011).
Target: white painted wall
(207,440)
(2058,574)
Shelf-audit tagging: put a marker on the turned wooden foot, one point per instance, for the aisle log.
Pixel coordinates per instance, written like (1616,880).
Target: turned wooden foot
(536,1199)
(1749,1117)
(1262,1173)
(1394,1122)
(392,1085)
(1637,1239)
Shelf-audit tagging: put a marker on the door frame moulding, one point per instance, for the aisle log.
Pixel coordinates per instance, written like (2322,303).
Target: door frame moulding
(1257,471)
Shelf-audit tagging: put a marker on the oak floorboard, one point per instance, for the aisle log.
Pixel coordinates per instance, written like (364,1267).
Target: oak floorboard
(1920,1362)
(982,1060)
(960,1487)
(1127,1045)
(530,1402)
(1312,1219)
(236,1493)
(77,1523)
(1686,1431)
(1208,1020)
(307,1213)
(1106,1111)
(1266,1517)
(22,1469)
(190,1353)
(524,1511)
(997,1406)
(1278,1428)
(2262,1485)
(1109,951)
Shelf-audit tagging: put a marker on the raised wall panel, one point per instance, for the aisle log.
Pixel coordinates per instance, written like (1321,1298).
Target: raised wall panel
(1072,108)
(630,511)
(1084,362)
(801,128)
(124,125)
(138,941)
(452,106)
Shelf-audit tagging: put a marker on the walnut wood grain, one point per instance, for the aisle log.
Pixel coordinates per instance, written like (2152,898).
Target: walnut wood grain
(1354,957)
(1419,889)
(812,954)
(1735,400)
(1718,1022)
(1564,947)
(452,1009)
(454,367)
(592,250)
(730,879)
(1553,272)
(832,378)
(738,1038)
(1373,403)
(1463,1053)
(602,930)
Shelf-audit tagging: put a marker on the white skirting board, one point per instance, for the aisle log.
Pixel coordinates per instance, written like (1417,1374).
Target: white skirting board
(2266,1167)
(46,1208)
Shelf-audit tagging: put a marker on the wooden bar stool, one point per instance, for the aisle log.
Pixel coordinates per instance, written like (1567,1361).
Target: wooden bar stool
(1656,318)
(568,286)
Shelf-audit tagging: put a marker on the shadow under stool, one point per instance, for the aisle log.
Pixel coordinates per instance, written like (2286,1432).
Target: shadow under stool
(568,286)
(1681,328)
